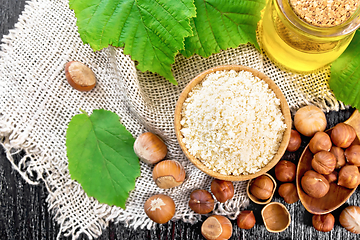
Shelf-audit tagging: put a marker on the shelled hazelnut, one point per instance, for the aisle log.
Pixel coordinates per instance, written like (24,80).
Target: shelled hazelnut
(320,142)
(294,142)
(342,135)
(288,192)
(324,162)
(262,187)
(349,176)
(352,155)
(315,184)
(201,201)
(246,219)
(222,190)
(310,119)
(323,223)
(339,155)
(332,177)
(285,171)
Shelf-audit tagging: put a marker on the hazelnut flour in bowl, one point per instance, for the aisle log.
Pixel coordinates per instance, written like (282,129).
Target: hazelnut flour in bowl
(233,122)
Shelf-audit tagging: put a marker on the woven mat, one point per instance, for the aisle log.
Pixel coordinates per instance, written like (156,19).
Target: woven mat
(37,103)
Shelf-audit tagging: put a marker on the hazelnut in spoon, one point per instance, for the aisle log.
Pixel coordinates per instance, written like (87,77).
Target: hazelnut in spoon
(337,195)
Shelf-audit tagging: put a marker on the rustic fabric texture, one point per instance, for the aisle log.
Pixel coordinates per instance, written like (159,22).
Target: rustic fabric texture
(37,103)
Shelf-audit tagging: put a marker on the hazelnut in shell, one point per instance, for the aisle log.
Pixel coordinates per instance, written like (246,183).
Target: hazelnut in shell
(323,223)
(339,155)
(222,190)
(285,171)
(294,142)
(168,174)
(320,142)
(350,219)
(246,219)
(352,155)
(349,176)
(314,184)
(288,192)
(160,208)
(150,148)
(201,201)
(324,162)
(80,76)
(216,227)
(342,135)
(310,119)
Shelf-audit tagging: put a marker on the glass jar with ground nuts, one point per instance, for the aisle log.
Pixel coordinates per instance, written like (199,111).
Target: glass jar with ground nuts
(306,35)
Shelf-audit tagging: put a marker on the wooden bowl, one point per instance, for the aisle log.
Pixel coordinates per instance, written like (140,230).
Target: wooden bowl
(337,195)
(284,108)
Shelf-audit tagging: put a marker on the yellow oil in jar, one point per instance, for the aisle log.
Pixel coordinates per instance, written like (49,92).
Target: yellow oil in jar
(294,49)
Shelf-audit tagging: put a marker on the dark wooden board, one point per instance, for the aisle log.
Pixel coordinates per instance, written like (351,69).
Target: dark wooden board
(24,214)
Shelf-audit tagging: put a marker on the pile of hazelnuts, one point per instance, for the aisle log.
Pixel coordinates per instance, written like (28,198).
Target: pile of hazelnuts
(166,174)
(336,159)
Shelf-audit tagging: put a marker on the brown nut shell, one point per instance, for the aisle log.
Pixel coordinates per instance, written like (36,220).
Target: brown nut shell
(80,76)
(342,135)
(352,155)
(339,155)
(150,148)
(246,219)
(288,192)
(324,162)
(159,208)
(276,217)
(323,223)
(216,227)
(349,176)
(320,142)
(261,189)
(168,174)
(314,184)
(294,142)
(222,190)
(350,219)
(285,171)
(201,201)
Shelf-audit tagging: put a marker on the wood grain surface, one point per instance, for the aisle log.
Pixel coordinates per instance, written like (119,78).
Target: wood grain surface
(24,214)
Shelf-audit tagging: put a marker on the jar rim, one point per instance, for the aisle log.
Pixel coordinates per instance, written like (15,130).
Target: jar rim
(347,27)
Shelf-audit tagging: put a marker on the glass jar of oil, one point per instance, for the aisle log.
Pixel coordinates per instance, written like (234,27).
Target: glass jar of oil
(296,45)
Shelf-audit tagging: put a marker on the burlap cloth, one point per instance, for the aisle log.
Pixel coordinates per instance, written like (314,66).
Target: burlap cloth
(38,103)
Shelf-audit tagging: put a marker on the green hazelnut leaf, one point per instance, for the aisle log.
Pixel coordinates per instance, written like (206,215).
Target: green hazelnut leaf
(151,31)
(223,24)
(345,74)
(101,156)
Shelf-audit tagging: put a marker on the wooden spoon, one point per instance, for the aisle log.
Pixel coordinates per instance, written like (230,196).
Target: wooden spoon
(337,195)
